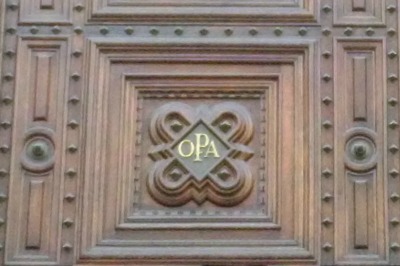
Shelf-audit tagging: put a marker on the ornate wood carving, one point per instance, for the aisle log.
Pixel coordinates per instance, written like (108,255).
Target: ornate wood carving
(220,174)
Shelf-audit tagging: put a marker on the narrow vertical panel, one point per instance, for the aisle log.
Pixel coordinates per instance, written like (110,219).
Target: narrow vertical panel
(42,86)
(46,4)
(358,5)
(360,210)
(35,197)
(360,214)
(359,88)
(35,210)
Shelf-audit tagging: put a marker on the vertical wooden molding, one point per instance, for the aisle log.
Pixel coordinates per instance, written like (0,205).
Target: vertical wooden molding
(35,211)
(42,86)
(358,5)
(360,88)
(360,214)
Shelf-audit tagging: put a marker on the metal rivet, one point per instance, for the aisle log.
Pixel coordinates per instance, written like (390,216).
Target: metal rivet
(392,77)
(327,197)
(327,100)
(326,31)
(79,7)
(34,30)
(4,148)
(8,76)
(327,173)
(225,126)
(7,100)
(3,197)
(3,172)
(73,124)
(370,31)
(393,124)
(69,197)
(303,31)
(392,54)
(104,30)
(393,101)
(327,148)
(394,222)
(176,126)
(394,173)
(391,8)
(224,174)
(68,222)
(253,32)
(395,246)
(1,247)
(74,100)
(78,30)
(203,32)
(327,247)
(2,221)
(129,30)
(348,31)
(327,124)
(178,31)
(154,31)
(72,148)
(56,30)
(71,172)
(327,222)
(327,8)
(75,76)
(326,54)
(77,53)
(228,32)
(393,148)
(175,174)
(67,246)
(278,31)
(391,32)
(10,53)
(394,197)
(13,6)
(11,30)
(5,124)
(326,77)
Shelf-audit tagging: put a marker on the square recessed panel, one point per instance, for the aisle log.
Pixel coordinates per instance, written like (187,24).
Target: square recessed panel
(242,109)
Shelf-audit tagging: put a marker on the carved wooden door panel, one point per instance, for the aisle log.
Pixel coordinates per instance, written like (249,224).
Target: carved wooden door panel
(199,132)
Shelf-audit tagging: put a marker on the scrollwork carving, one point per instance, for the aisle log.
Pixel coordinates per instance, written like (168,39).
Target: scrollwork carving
(200,154)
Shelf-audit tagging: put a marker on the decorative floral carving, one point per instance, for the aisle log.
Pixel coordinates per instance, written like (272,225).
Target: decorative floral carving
(200,154)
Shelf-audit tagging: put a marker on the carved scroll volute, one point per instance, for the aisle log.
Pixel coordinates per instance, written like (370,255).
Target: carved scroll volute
(180,174)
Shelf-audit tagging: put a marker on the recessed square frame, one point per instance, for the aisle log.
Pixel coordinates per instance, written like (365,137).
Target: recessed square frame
(288,230)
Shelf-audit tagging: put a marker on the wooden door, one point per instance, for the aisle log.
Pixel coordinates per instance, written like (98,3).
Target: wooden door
(199,132)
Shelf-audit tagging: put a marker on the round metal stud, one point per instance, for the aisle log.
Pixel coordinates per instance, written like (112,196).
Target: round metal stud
(73,124)
(3,172)
(327,247)
(393,101)
(392,54)
(327,8)
(253,32)
(56,30)
(327,173)
(11,30)
(8,76)
(327,100)
(154,31)
(326,31)
(129,30)
(370,31)
(391,32)
(278,31)
(34,30)
(38,150)
(394,173)
(72,148)
(13,6)
(303,31)
(67,246)
(77,53)
(7,100)
(69,197)
(74,100)
(228,32)
(393,124)
(75,76)
(71,172)
(327,197)
(78,7)
(326,77)
(78,30)
(392,77)
(178,31)
(5,124)
(104,30)
(203,32)
(326,54)
(10,53)
(4,148)
(391,8)
(348,31)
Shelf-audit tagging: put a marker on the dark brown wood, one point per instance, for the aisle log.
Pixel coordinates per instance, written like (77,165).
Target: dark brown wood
(197,132)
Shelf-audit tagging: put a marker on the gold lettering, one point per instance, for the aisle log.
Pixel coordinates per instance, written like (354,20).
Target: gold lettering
(191,150)
(200,145)
(212,150)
